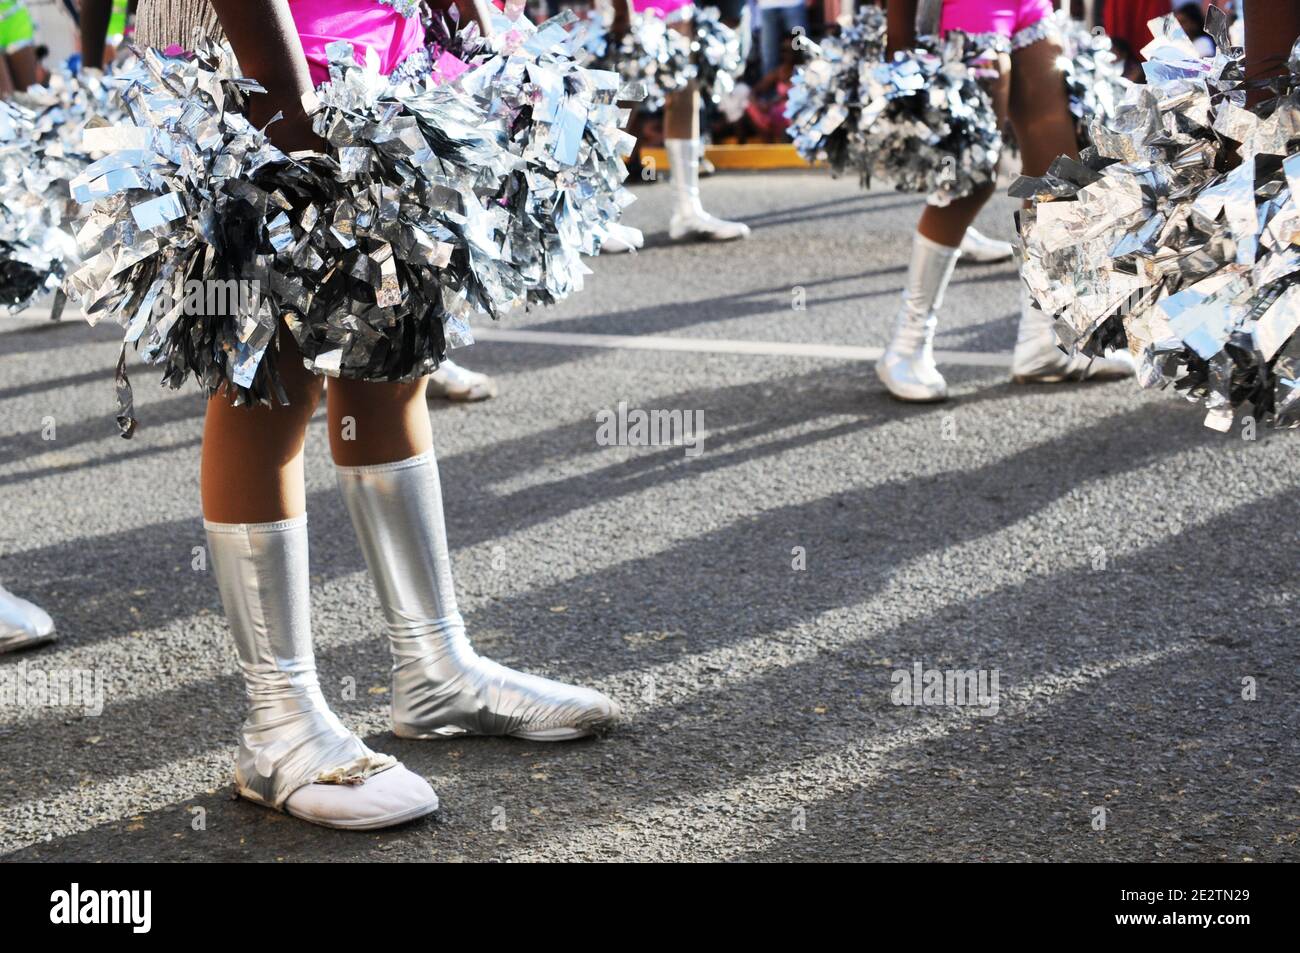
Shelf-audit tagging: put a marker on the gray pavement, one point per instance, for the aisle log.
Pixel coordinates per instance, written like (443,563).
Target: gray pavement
(1122,569)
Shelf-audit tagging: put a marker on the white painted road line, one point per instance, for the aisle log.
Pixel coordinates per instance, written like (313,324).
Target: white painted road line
(650,342)
(689,345)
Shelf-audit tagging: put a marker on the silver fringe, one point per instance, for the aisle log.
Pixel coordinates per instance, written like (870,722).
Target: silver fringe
(1044,29)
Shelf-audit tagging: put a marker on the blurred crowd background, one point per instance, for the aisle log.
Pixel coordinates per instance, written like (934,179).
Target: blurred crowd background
(771,31)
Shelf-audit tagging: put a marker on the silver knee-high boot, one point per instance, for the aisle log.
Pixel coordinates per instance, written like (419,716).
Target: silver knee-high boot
(294,753)
(441,687)
(1039,359)
(907,367)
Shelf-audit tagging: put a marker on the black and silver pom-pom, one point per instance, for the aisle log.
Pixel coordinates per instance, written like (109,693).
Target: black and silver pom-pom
(1094,78)
(921,121)
(650,53)
(827,96)
(373,255)
(716,53)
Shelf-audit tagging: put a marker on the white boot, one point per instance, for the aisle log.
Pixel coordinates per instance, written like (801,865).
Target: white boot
(689,220)
(1039,359)
(453,382)
(22,625)
(294,754)
(978,247)
(907,367)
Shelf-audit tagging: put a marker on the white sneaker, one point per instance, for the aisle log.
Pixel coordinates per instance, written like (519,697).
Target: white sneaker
(453,382)
(977,246)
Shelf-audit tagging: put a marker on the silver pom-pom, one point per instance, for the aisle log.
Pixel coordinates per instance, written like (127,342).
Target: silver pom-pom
(374,255)
(717,55)
(41,151)
(1174,236)
(921,121)
(649,53)
(826,97)
(565,123)
(1094,78)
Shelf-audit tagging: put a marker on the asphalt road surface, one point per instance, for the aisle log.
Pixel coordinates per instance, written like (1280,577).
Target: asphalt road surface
(1129,575)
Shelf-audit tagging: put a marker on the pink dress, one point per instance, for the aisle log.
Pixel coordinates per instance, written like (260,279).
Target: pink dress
(366,24)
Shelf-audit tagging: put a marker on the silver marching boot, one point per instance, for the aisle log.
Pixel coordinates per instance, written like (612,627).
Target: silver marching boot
(689,220)
(907,367)
(442,688)
(1039,359)
(22,625)
(294,753)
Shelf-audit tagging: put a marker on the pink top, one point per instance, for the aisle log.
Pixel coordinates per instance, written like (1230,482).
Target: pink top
(366,24)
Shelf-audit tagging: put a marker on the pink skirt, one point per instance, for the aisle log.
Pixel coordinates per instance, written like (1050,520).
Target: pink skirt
(366,24)
(1006,18)
(660,7)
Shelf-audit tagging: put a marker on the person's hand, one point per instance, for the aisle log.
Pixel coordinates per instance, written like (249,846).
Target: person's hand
(292,132)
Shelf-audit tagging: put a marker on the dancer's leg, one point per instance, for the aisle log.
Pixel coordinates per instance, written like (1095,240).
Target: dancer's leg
(387,472)
(294,753)
(24,67)
(1040,115)
(1272,27)
(907,368)
(682,142)
(252,469)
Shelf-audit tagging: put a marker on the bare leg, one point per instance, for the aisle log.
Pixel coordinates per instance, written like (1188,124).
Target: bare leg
(1271,28)
(252,469)
(6,79)
(682,142)
(1040,107)
(23,65)
(1040,114)
(372,423)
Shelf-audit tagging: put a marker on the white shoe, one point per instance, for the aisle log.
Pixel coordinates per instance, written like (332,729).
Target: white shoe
(976,246)
(453,382)
(622,241)
(22,625)
(689,220)
(907,367)
(1039,358)
(391,797)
